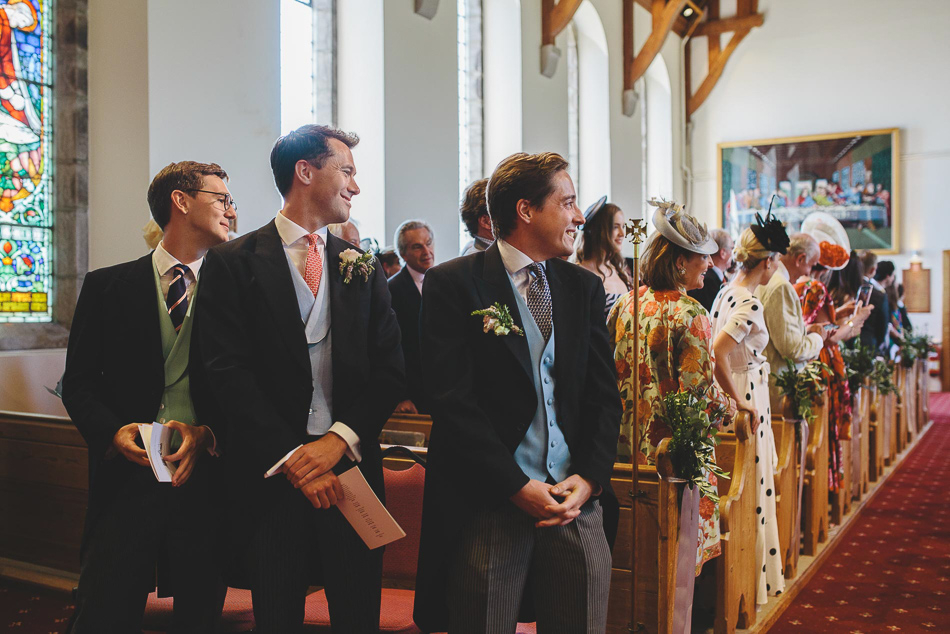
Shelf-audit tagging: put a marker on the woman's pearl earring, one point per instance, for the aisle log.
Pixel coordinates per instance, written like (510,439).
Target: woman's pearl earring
(682,271)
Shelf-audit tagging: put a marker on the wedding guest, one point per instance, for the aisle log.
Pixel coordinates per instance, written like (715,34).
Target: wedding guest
(131,359)
(303,359)
(740,339)
(474,212)
(390,262)
(715,275)
(788,336)
(349,231)
(675,347)
(845,283)
(524,422)
(598,249)
(874,332)
(415,242)
(906,326)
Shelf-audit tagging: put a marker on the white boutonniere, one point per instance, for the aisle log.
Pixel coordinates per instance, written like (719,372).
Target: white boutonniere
(497,318)
(352,261)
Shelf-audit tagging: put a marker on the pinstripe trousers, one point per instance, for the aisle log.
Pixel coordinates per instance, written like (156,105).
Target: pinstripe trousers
(566,569)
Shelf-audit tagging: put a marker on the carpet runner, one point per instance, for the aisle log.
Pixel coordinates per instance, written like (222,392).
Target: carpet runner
(891,572)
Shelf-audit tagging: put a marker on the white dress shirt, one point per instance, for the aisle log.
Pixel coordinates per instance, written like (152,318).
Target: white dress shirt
(516,263)
(297,246)
(417,277)
(164,261)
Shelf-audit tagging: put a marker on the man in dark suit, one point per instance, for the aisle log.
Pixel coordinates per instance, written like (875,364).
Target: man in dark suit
(301,348)
(415,242)
(874,330)
(526,418)
(715,275)
(129,361)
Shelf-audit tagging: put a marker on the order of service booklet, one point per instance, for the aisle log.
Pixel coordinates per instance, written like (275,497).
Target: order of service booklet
(156,438)
(365,513)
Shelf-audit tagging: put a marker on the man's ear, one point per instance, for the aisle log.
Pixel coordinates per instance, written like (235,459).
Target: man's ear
(178,201)
(524,210)
(303,170)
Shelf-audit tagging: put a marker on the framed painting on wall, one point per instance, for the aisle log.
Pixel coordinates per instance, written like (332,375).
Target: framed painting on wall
(853,176)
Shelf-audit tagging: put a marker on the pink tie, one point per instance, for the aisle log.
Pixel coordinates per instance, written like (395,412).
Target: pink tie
(314,269)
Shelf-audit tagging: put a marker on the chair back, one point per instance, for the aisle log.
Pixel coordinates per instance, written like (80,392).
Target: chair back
(404,501)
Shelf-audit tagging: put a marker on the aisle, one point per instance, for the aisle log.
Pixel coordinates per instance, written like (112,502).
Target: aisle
(891,573)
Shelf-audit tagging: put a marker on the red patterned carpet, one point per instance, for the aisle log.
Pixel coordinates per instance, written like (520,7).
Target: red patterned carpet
(891,573)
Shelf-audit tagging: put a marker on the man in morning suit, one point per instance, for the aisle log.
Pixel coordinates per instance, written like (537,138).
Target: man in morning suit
(525,422)
(715,275)
(415,242)
(131,360)
(305,364)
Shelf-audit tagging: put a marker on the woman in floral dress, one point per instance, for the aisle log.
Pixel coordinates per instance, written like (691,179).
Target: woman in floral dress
(674,348)
(740,338)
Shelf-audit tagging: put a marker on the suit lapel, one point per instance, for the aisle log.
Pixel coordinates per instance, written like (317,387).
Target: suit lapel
(495,286)
(273,271)
(344,299)
(135,294)
(566,323)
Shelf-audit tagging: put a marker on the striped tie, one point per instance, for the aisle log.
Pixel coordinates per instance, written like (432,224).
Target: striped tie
(177,300)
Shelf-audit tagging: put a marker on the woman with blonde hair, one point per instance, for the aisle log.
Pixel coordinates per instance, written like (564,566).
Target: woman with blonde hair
(674,346)
(740,338)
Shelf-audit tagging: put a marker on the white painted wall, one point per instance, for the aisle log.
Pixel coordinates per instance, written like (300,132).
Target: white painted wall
(860,66)
(214,94)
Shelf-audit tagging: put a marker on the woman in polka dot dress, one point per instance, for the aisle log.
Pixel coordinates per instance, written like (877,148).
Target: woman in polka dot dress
(740,336)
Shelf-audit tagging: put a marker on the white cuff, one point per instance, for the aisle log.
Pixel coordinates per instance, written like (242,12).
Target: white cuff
(213,449)
(350,438)
(280,462)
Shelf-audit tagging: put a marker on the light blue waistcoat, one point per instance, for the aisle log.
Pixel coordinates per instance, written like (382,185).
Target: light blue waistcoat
(315,314)
(542,452)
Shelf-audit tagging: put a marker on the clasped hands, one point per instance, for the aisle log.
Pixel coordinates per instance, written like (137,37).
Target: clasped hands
(194,440)
(309,469)
(537,499)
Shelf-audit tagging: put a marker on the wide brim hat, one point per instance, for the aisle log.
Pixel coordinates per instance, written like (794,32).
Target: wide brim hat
(831,236)
(593,209)
(665,210)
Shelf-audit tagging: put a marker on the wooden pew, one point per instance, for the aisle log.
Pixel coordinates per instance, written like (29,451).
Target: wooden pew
(863,473)
(815,491)
(410,422)
(923,393)
(890,427)
(43,490)
(900,411)
(735,568)
(656,543)
(909,389)
(786,484)
(876,438)
(841,499)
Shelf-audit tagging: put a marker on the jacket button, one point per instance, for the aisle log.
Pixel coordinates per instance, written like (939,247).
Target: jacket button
(162,406)
(162,421)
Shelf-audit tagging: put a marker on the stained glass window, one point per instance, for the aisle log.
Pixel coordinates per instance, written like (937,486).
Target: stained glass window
(26,221)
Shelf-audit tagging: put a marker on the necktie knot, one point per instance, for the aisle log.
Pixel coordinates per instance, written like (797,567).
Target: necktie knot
(177,299)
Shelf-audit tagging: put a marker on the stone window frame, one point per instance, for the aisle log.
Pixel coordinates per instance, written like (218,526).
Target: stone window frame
(70,180)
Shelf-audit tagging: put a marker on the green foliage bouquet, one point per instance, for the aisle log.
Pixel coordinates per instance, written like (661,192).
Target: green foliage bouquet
(915,347)
(692,447)
(862,363)
(803,386)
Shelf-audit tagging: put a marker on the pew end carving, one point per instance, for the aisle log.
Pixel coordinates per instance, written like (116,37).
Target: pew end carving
(786,486)
(735,567)
(815,490)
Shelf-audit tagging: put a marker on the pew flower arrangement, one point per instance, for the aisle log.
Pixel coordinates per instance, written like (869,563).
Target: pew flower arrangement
(915,347)
(862,363)
(803,386)
(692,446)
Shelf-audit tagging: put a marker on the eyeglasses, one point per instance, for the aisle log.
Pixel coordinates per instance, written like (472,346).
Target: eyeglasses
(224,198)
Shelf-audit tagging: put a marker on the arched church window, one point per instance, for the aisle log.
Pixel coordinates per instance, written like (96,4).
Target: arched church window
(26,214)
(469,97)
(307,63)
(658,131)
(573,105)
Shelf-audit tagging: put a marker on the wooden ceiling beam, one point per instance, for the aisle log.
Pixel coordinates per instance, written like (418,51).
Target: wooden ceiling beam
(664,15)
(556,17)
(728,25)
(716,67)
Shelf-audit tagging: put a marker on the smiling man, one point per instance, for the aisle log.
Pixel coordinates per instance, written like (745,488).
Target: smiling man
(525,423)
(305,366)
(131,360)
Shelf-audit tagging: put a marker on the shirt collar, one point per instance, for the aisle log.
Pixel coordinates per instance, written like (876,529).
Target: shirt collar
(718,272)
(290,231)
(164,261)
(417,277)
(513,259)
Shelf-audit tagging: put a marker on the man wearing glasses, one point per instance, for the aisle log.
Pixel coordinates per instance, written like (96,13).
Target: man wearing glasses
(129,361)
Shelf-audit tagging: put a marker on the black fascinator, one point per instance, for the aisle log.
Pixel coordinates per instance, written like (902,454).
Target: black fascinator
(770,232)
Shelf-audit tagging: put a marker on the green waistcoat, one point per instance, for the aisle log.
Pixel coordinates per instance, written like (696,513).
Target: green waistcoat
(176,399)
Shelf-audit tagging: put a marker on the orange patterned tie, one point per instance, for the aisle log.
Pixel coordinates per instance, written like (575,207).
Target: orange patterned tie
(314,269)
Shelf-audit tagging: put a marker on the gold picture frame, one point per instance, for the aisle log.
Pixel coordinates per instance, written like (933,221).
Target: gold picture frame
(854,176)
